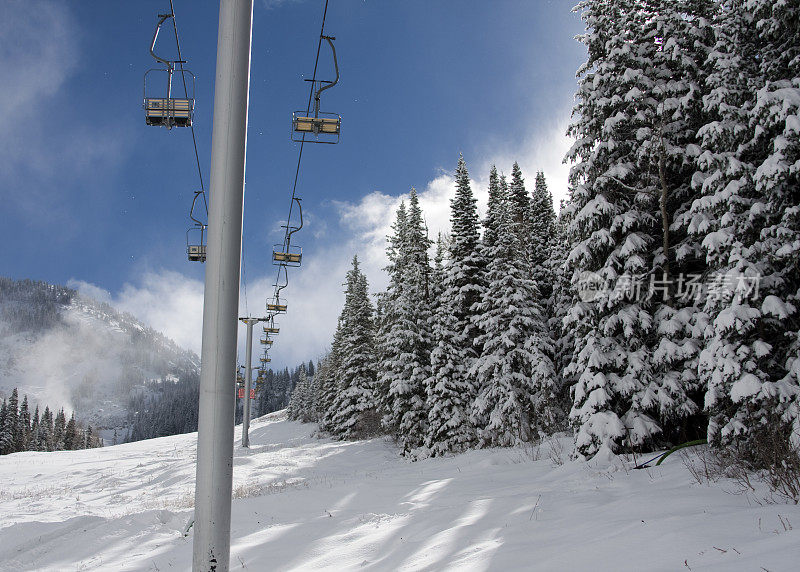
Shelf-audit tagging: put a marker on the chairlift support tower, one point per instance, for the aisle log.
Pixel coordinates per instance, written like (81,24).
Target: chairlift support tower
(213,485)
(248,377)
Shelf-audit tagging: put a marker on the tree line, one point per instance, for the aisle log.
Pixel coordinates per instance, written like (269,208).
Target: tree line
(661,305)
(21,431)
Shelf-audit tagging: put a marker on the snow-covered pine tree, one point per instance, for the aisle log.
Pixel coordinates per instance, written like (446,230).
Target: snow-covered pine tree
(514,372)
(679,35)
(6,437)
(562,298)
(450,390)
(72,440)
(301,402)
(498,197)
(437,274)
(355,410)
(748,218)
(326,390)
(36,438)
(636,122)
(24,426)
(542,236)
(47,430)
(59,430)
(392,329)
(520,208)
(406,334)
(10,430)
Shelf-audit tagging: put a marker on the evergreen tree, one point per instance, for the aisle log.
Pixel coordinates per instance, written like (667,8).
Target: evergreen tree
(519,206)
(24,426)
(450,389)
(748,219)
(59,431)
(47,430)
(405,339)
(514,372)
(302,405)
(36,443)
(326,390)
(463,280)
(498,196)
(542,236)
(355,411)
(10,436)
(72,438)
(6,434)
(636,123)
(561,301)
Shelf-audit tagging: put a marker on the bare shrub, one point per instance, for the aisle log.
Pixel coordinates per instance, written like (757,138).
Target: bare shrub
(766,456)
(556,451)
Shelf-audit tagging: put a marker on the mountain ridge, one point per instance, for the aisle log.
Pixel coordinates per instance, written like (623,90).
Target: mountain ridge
(63,348)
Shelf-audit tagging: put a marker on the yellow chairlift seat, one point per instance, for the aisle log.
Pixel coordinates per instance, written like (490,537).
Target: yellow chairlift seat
(265,360)
(271,330)
(196,252)
(168,111)
(288,258)
(276,308)
(265,342)
(317,125)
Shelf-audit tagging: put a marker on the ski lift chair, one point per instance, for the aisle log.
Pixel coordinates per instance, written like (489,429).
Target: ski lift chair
(325,127)
(195,243)
(290,256)
(276,306)
(266,342)
(167,111)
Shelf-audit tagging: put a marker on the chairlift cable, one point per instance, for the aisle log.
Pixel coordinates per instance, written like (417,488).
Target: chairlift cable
(294,199)
(289,229)
(186,94)
(308,110)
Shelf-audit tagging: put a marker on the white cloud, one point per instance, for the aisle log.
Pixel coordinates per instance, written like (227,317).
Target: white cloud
(37,54)
(167,301)
(90,290)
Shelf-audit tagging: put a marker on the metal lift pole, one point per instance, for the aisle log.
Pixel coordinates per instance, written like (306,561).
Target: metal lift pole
(213,486)
(248,379)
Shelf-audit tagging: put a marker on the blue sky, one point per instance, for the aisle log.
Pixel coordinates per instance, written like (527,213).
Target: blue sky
(94,198)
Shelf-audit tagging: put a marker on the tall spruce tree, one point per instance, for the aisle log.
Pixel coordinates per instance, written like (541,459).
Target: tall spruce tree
(355,409)
(405,337)
(636,122)
(450,390)
(520,207)
(24,426)
(6,435)
(748,220)
(542,235)
(10,431)
(514,372)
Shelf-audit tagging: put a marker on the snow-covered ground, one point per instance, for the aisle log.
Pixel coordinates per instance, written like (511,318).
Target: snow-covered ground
(303,503)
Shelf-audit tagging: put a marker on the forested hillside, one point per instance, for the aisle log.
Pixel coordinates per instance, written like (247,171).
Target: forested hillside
(661,305)
(70,351)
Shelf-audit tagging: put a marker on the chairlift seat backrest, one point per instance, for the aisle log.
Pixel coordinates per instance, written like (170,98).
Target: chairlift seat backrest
(168,111)
(196,252)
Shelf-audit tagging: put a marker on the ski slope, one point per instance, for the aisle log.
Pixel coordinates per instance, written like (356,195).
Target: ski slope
(307,503)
